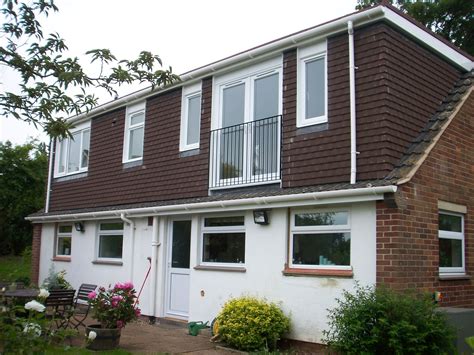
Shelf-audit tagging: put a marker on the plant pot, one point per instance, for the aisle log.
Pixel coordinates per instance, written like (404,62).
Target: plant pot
(107,338)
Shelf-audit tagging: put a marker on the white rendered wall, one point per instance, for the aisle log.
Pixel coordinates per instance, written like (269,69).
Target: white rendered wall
(84,250)
(304,298)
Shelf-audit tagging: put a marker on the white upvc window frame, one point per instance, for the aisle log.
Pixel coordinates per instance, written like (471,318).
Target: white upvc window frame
(132,110)
(247,76)
(100,232)
(62,150)
(60,235)
(224,229)
(341,228)
(305,55)
(189,92)
(454,236)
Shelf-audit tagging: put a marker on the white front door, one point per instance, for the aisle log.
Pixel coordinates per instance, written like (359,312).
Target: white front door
(179,241)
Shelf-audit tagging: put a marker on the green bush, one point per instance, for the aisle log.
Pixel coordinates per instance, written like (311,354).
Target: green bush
(248,323)
(382,321)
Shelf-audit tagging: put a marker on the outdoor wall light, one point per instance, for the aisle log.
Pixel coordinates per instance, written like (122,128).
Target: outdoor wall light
(260,217)
(79,226)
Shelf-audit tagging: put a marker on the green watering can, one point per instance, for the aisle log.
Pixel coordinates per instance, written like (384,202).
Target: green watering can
(195,327)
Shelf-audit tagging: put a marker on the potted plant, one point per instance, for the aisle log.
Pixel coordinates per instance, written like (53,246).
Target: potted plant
(112,308)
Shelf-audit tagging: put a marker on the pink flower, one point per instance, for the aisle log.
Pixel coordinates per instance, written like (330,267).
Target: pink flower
(138,312)
(124,286)
(120,324)
(92,295)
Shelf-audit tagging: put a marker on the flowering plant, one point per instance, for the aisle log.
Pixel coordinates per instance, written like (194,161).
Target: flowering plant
(114,307)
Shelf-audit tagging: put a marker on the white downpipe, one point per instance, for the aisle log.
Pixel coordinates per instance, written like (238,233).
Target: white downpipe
(155,244)
(352,68)
(50,173)
(132,241)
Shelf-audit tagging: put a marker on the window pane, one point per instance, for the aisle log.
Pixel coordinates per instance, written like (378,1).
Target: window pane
(224,248)
(62,156)
(231,152)
(111,226)
(137,118)
(64,246)
(65,229)
(194,119)
(266,97)
(85,148)
(74,153)
(233,105)
(181,244)
(450,223)
(224,221)
(450,253)
(110,246)
(315,88)
(321,219)
(322,249)
(265,146)
(136,143)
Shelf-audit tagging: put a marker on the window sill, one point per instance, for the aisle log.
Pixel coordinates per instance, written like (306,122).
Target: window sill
(317,272)
(220,268)
(107,262)
(454,277)
(62,258)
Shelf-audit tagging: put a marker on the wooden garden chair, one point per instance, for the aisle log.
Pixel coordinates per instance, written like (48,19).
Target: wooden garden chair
(81,305)
(59,306)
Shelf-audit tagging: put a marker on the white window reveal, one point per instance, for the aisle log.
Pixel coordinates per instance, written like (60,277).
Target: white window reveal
(223,241)
(190,117)
(110,240)
(72,154)
(134,132)
(451,243)
(312,85)
(63,240)
(320,239)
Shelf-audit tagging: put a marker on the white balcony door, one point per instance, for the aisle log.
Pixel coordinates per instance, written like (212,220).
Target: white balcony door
(179,242)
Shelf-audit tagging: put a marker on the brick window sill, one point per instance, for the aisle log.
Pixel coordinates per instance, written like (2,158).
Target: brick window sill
(317,272)
(454,277)
(107,262)
(62,258)
(220,268)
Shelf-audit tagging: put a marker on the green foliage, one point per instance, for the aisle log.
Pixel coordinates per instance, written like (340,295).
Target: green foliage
(15,268)
(47,74)
(382,321)
(470,342)
(56,280)
(115,307)
(452,19)
(248,323)
(23,170)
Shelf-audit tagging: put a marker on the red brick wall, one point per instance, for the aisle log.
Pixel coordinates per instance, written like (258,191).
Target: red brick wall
(35,255)
(407,236)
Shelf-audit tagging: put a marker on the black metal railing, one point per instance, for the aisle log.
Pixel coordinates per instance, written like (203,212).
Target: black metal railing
(247,153)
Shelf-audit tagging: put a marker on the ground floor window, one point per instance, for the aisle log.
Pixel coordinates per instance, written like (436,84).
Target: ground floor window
(223,240)
(451,242)
(110,240)
(63,240)
(320,239)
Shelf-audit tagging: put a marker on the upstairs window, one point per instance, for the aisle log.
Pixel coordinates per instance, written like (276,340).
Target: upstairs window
(134,132)
(190,117)
(312,85)
(451,243)
(72,154)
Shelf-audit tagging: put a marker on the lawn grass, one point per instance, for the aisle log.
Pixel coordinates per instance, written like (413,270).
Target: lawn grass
(13,268)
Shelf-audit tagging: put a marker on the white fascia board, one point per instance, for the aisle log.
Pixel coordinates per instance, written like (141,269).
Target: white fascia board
(304,199)
(428,39)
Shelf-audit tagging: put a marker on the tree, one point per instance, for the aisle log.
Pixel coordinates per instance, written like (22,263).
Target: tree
(23,172)
(452,19)
(53,86)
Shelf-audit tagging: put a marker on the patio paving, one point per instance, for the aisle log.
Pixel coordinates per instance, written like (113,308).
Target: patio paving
(141,337)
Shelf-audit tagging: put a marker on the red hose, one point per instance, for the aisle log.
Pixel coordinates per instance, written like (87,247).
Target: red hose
(143,284)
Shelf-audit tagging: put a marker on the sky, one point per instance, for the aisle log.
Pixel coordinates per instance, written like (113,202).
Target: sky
(186,34)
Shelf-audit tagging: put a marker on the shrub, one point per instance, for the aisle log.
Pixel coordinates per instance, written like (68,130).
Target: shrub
(382,321)
(248,323)
(56,280)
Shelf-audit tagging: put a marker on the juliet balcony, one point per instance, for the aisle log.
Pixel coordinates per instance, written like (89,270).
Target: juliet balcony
(245,154)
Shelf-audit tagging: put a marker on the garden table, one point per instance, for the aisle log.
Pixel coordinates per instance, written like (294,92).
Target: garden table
(22,293)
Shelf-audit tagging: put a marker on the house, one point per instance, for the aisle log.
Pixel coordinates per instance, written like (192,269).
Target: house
(339,154)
